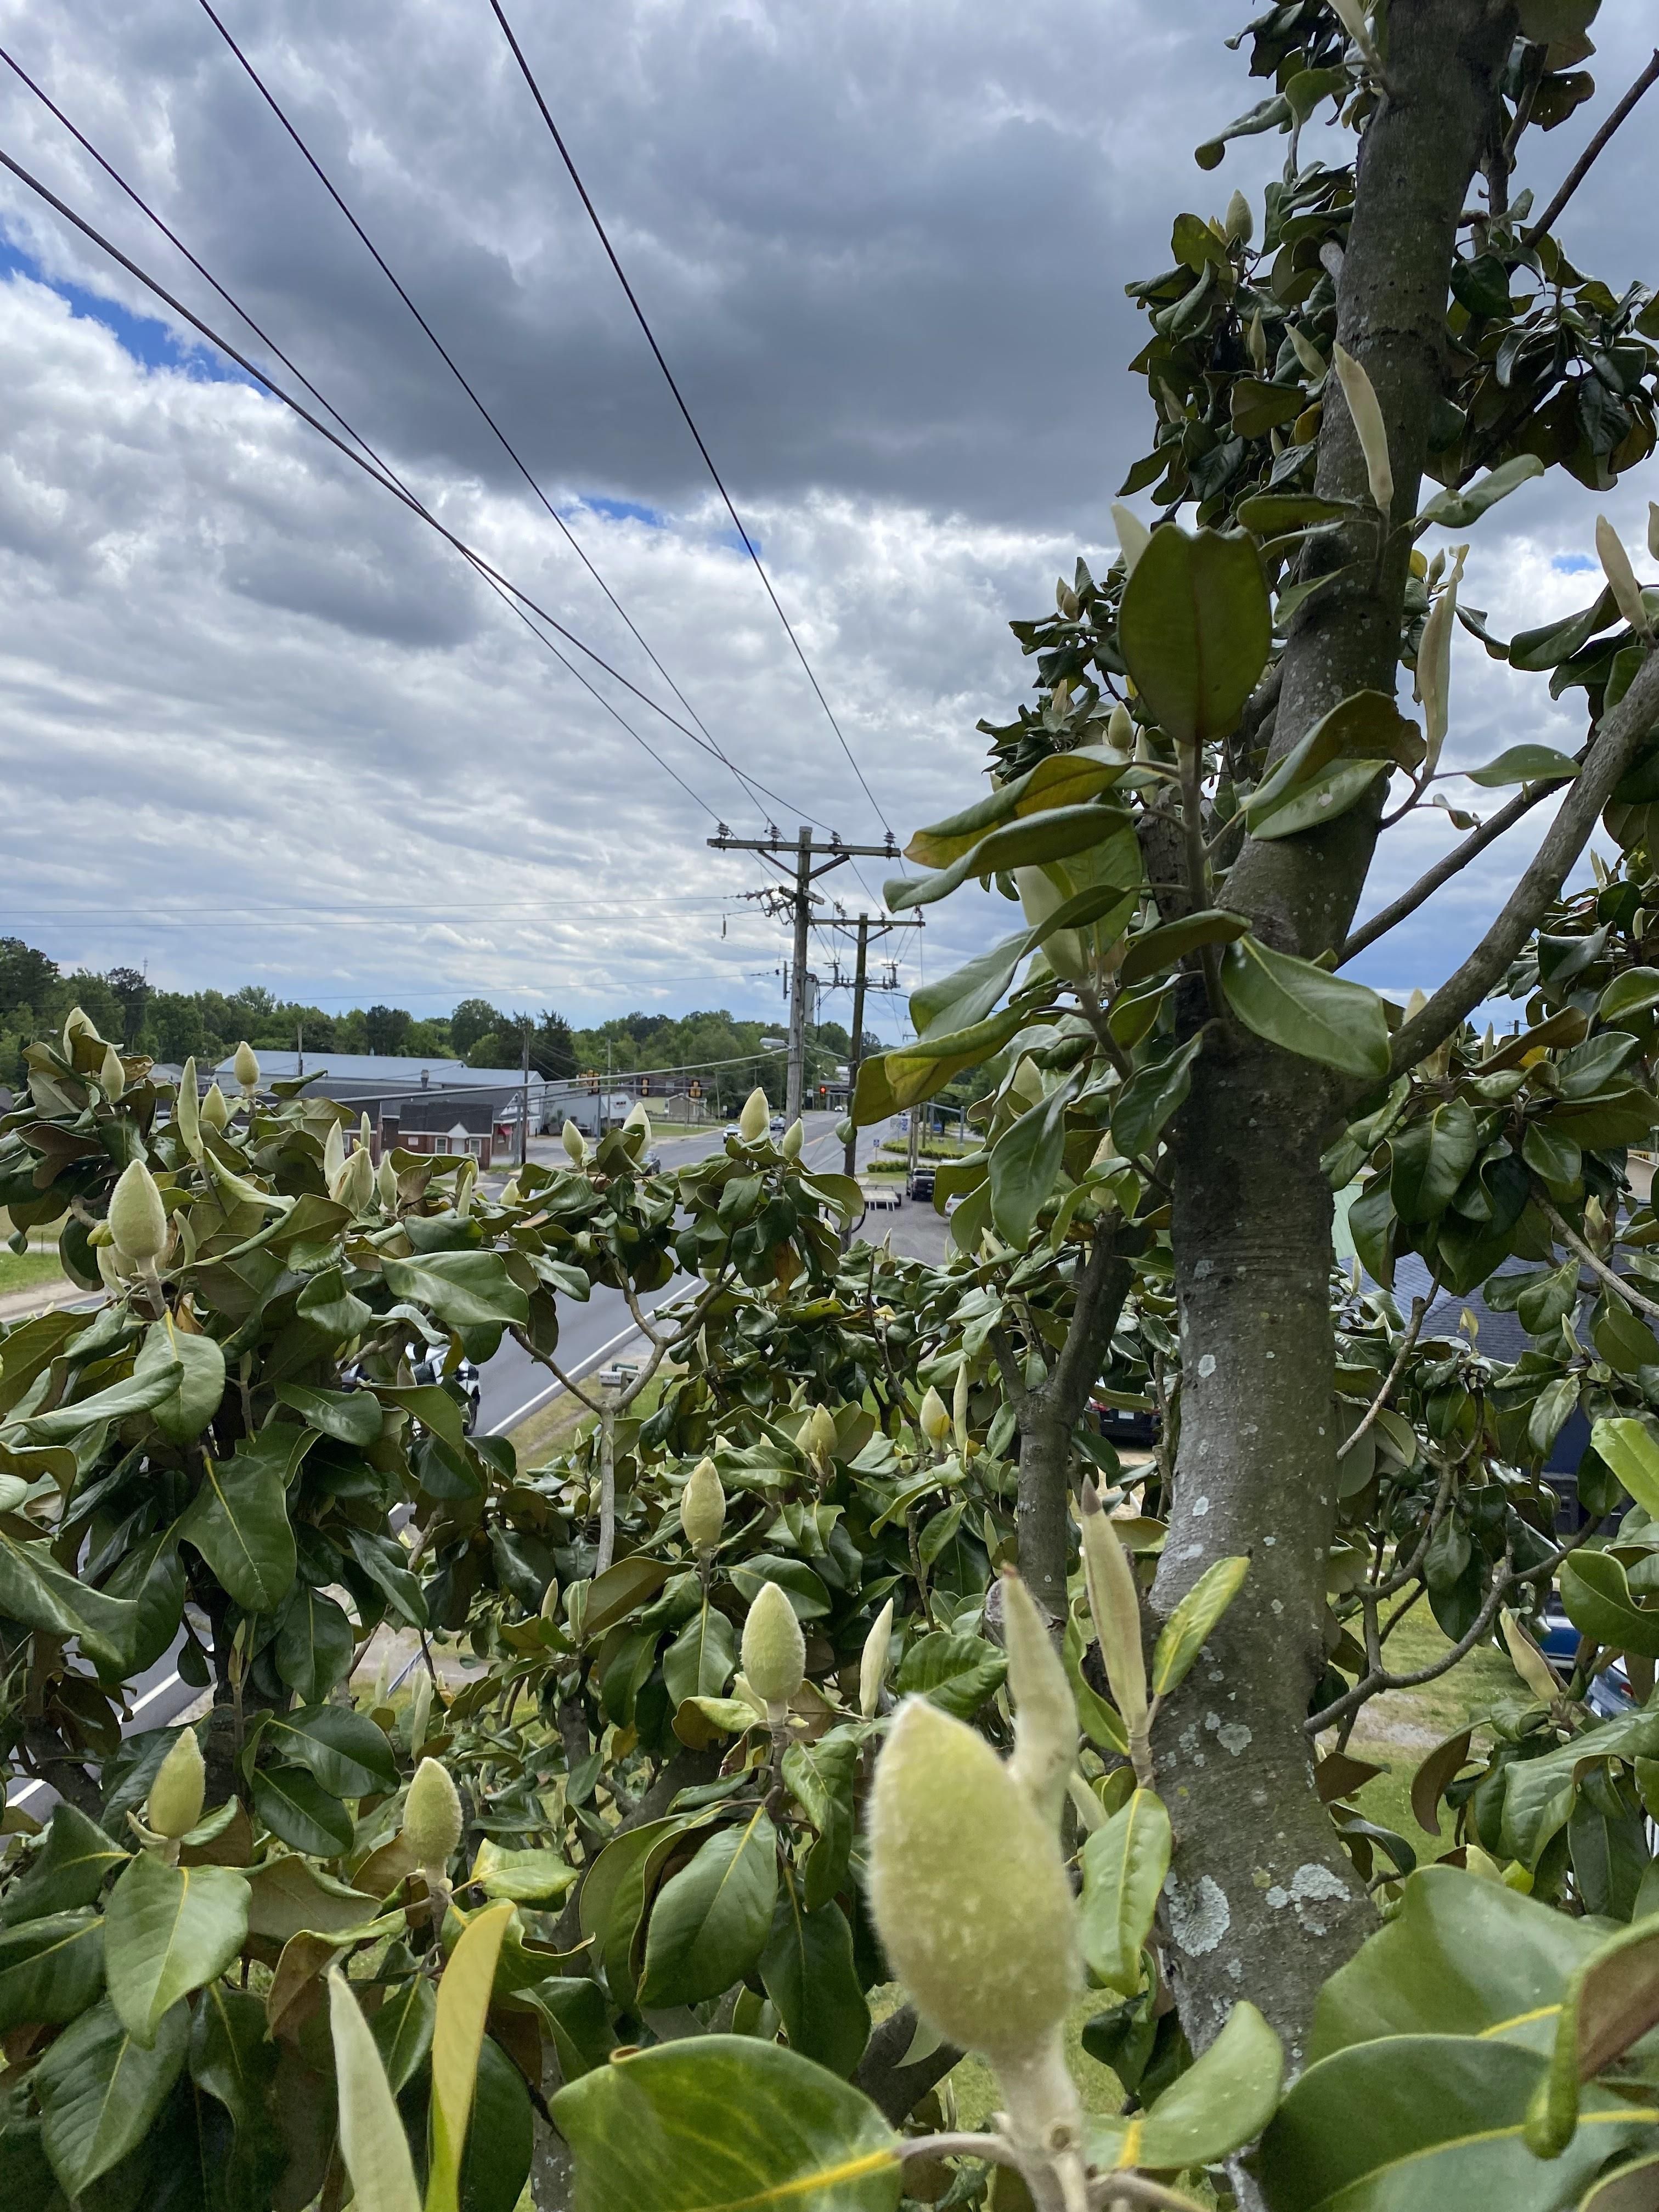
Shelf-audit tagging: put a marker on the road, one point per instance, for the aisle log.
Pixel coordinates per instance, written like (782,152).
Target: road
(513,1387)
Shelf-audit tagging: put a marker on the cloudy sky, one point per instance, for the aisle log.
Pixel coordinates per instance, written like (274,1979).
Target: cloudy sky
(258,724)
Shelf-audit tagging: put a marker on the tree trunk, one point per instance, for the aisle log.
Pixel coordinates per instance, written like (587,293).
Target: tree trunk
(1263,1900)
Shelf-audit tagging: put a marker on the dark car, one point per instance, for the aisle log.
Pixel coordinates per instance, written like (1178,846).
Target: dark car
(920,1182)
(1135,1426)
(1610,1692)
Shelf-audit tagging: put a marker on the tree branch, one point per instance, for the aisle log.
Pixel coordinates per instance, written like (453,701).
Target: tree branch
(895,2088)
(1586,162)
(1622,732)
(1387,918)
(1420,1307)
(1575,1243)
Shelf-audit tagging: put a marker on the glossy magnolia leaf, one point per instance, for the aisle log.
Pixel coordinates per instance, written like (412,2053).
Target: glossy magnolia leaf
(1271,513)
(1195,626)
(1464,1957)
(1149,1098)
(1611,2003)
(1632,2188)
(527,1877)
(1124,1865)
(429,1403)
(1366,725)
(1635,992)
(1188,1629)
(1539,1793)
(347,1751)
(168,1930)
(184,1415)
(888,1081)
(138,1393)
(372,2142)
(294,1805)
(1524,764)
(100,2091)
(1155,949)
(1596,1594)
(1025,1160)
(238,1520)
(1319,800)
(457,2034)
(611,1596)
(501,2142)
(1223,2099)
(233,2059)
(36,1591)
(1061,780)
(1039,838)
(1457,510)
(969,995)
(957,1673)
(401,2029)
(1625,1445)
(51,1968)
(820,1778)
(808,1971)
(1419,2120)
(1430,1159)
(1301,1007)
(699,1661)
(350,1417)
(67,1871)
(710,1922)
(661,2128)
(313,1644)
(465,1289)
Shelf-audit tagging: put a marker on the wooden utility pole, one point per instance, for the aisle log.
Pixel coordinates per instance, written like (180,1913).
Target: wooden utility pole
(524,1100)
(869,929)
(803,851)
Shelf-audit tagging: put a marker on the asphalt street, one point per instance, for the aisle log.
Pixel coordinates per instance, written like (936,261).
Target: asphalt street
(514,1386)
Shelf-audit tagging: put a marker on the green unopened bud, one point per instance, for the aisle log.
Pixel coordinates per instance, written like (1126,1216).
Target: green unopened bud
(419,1707)
(137,1218)
(872,1662)
(386,1182)
(1240,221)
(334,1153)
(177,1793)
(818,1434)
(109,1269)
(466,1177)
(1132,535)
(215,1107)
(354,1183)
(1622,577)
(76,1024)
(756,1113)
(188,1111)
(1653,529)
(431,1815)
(575,1143)
(773,1649)
(365,1131)
(1308,353)
(1115,1604)
(549,1609)
(702,1507)
(935,1421)
(112,1075)
(793,1138)
(975,1912)
(959,1410)
(510,1195)
(637,1131)
(245,1068)
(1045,1711)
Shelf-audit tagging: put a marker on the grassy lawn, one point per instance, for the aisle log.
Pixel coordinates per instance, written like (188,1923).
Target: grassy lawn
(1398,1731)
(35,1269)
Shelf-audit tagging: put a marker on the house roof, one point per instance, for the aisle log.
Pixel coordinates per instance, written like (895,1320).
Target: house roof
(386,1071)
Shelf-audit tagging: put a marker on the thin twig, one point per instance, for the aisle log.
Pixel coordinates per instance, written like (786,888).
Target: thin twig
(1586,162)
(1420,1307)
(1387,918)
(1575,1244)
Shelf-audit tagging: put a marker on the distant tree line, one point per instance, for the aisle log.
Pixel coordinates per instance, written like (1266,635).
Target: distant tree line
(36,994)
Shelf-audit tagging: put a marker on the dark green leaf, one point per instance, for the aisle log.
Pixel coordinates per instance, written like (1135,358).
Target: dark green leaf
(100,2091)
(351,1416)
(238,1520)
(1025,1160)
(403,2029)
(295,1805)
(1148,1099)
(1195,626)
(314,1643)
(51,1969)
(67,1871)
(955,1673)
(501,2137)
(708,1924)
(169,1930)
(1525,764)
(808,1970)
(347,1751)
(1301,1007)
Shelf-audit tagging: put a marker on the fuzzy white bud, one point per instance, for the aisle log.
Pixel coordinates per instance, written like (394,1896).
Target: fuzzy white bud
(774,1651)
(246,1067)
(137,1218)
(755,1116)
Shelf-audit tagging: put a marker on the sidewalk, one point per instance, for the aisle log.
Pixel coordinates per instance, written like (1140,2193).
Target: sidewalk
(43,1297)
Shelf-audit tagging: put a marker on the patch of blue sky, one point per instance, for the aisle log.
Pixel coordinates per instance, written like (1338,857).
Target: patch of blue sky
(1572,564)
(625,510)
(149,341)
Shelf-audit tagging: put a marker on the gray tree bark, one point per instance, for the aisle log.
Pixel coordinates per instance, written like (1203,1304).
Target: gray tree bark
(1263,1900)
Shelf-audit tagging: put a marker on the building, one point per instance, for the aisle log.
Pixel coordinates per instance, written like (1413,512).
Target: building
(434,1100)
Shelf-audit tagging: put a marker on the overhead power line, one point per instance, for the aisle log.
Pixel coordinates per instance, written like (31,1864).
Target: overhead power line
(457,371)
(679,397)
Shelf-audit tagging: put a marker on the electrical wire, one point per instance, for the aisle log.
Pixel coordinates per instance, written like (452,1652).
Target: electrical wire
(456,371)
(679,397)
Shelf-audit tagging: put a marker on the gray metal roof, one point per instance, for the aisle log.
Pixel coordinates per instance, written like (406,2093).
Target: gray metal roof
(386,1070)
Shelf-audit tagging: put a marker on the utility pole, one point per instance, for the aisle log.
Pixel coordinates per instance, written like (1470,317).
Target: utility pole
(870,929)
(803,851)
(524,1100)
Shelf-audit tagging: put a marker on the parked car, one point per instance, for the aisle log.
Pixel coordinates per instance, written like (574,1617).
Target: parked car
(920,1182)
(1134,1425)
(732,1130)
(1610,1692)
(779,1125)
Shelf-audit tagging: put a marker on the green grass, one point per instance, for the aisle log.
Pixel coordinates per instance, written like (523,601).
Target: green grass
(34,1269)
(976,2092)
(1397,1731)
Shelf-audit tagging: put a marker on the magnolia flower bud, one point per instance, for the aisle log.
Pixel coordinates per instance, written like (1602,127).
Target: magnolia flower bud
(76,1024)
(245,1068)
(1653,528)
(1121,728)
(1622,577)
(109,1269)
(549,1607)
(703,1508)
(137,1218)
(187,1113)
(511,1193)
(793,1137)
(974,1910)
(774,1651)
(365,1131)
(575,1143)
(818,1433)
(386,1182)
(215,1107)
(431,1815)
(177,1792)
(1369,428)
(420,1705)
(354,1185)
(959,1411)
(756,1113)
(1434,665)
(112,1075)
(1045,1711)
(1241,223)
(334,1153)
(466,1177)
(1115,1604)
(637,1130)
(934,1420)
(872,1662)
(1132,535)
